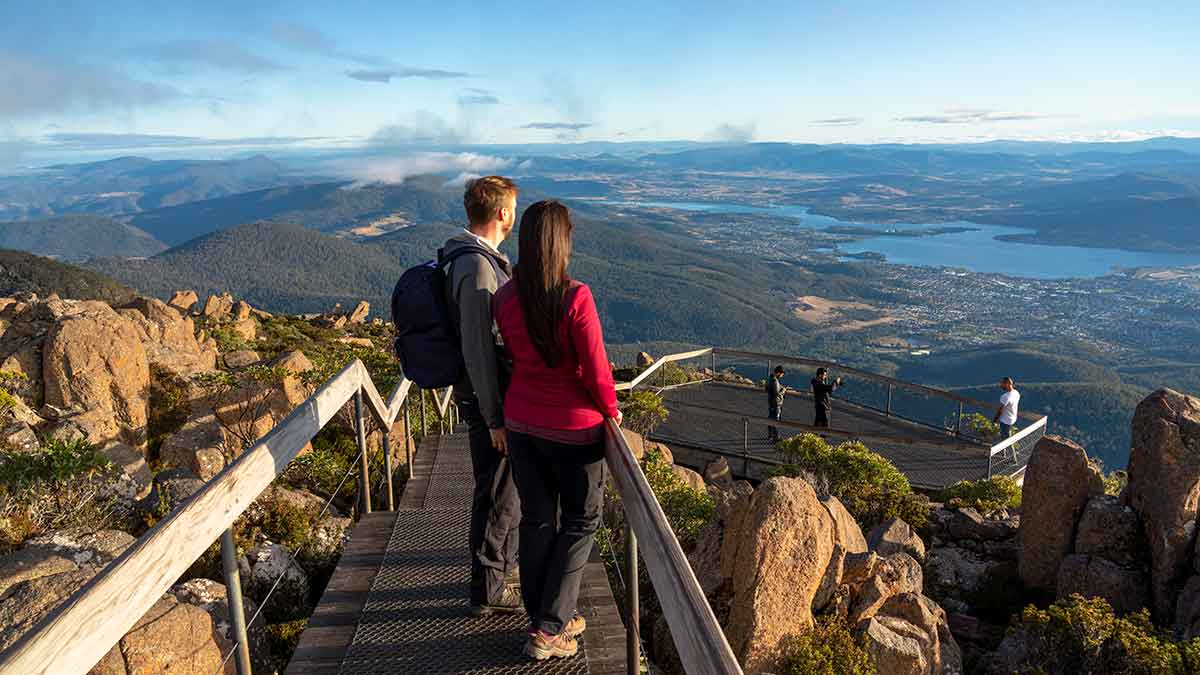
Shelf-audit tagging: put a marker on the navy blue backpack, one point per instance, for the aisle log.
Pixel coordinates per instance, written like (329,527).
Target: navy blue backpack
(427,343)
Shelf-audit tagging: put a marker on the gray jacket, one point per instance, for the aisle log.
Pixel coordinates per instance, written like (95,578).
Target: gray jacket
(775,393)
(473,281)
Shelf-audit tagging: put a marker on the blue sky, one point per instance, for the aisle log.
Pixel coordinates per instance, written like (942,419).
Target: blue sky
(348,74)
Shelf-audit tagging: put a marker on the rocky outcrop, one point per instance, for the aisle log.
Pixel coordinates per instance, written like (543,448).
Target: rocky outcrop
(1059,481)
(241,358)
(896,536)
(267,563)
(1111,530)
(1124,588)
(46,570)
(173,637)
(779,550)
(1164,488)
(218,306)
(718,474)
(133,476)
(360,312)
(688,477)
(93,360)
(705,557)
(169,337)
(911,636)
(213,597)
(184,301)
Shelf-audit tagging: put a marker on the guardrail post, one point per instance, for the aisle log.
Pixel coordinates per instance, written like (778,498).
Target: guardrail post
(958,425)
(424,426)
(364,477)
(888,410)
(746,447)
(233,596)
(714,363)
(408,436)
(633,651)
(387,468)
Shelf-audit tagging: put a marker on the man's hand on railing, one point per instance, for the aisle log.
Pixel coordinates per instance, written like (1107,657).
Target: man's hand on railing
(500,440)
(620,417)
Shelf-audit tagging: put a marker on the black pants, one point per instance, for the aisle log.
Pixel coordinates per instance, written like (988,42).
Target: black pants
(821,418)
(554,549)
(776,413)
(495,508)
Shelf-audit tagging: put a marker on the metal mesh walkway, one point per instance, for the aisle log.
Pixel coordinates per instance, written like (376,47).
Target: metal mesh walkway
(926,455)
(416,620)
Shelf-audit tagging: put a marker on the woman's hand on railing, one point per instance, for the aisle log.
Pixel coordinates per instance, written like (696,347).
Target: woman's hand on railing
(619,418)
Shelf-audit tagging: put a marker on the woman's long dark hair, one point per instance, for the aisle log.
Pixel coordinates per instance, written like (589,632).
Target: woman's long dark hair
(544,250)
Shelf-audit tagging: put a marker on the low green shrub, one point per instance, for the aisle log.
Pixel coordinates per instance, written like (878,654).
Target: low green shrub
(828,649)
(282,640)
(869,486)
(1115,482)
(1078,635)
(985,496)
(643,410)
(687,509)
(60,485)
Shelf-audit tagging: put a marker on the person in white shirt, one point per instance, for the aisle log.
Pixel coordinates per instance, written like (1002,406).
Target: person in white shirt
(1006,415)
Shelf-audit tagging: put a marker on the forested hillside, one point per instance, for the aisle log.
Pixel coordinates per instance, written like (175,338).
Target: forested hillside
(22,272)
(78,238)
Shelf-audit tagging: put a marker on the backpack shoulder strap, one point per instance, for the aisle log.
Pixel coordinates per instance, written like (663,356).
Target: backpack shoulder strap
(445,259)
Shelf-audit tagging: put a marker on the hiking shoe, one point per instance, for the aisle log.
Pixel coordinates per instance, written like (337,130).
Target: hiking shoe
(509,602)
(575,626)
(542,646)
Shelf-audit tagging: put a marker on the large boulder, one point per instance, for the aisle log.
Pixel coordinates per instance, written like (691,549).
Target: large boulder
(265,565)
(173,637)
(717,473)
(1111,530)
(1187,612)
(688,477)
(93,360)
(1164,488)
(903,619)
(133,478)
(1124,588)
(847,539)
(780,552)
(47,570)
(360,312)
(184,301)
(198,446)
(1059,481)
(896,536)
(213,597)
(644,360)
(968,523)
(218,306)
(169,337)
(705,556)
(892,575)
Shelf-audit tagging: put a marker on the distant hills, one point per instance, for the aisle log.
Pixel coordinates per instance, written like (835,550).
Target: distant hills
(132,184)
(22,272)
(78,238)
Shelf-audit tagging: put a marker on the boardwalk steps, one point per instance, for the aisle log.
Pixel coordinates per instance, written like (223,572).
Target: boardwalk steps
(397,602)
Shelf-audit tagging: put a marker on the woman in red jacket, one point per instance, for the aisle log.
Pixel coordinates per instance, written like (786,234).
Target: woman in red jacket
(554,410)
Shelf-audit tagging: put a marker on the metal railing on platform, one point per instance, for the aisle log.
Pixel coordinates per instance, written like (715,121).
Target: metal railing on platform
(937,418)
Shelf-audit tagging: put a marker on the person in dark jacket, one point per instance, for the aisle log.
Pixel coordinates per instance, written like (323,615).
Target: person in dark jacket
(558,405)
(775,393)
(491,204)
(822,390)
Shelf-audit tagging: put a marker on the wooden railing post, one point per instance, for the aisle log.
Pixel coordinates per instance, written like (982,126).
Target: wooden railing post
(408,436)
(746,447)
(364,476)
(888,410)
(233,596)
(958,424)
(633,651)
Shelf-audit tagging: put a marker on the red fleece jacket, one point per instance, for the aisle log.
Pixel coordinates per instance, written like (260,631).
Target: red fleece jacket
(579,393)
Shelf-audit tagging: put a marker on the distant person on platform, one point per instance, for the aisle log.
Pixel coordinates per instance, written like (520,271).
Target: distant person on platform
(491,205)
(1006,414)
(775,393)
(822,390)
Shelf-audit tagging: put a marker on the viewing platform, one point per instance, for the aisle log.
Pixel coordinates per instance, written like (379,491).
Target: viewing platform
(925,432)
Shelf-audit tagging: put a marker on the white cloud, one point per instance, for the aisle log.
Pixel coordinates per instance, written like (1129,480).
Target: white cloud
(369,170)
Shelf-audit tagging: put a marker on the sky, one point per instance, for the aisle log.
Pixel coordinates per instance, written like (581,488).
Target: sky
(216,75)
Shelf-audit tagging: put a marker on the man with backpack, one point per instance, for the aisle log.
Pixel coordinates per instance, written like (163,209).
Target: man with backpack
(477,269)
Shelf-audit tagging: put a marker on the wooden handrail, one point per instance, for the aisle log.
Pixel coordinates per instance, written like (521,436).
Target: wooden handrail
(76,635)
(670,358)
(698,637)
(867,375)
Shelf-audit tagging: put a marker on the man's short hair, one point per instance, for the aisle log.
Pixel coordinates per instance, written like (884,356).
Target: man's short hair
(821,371)
(779,370)
(485,196)
(1007,380)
